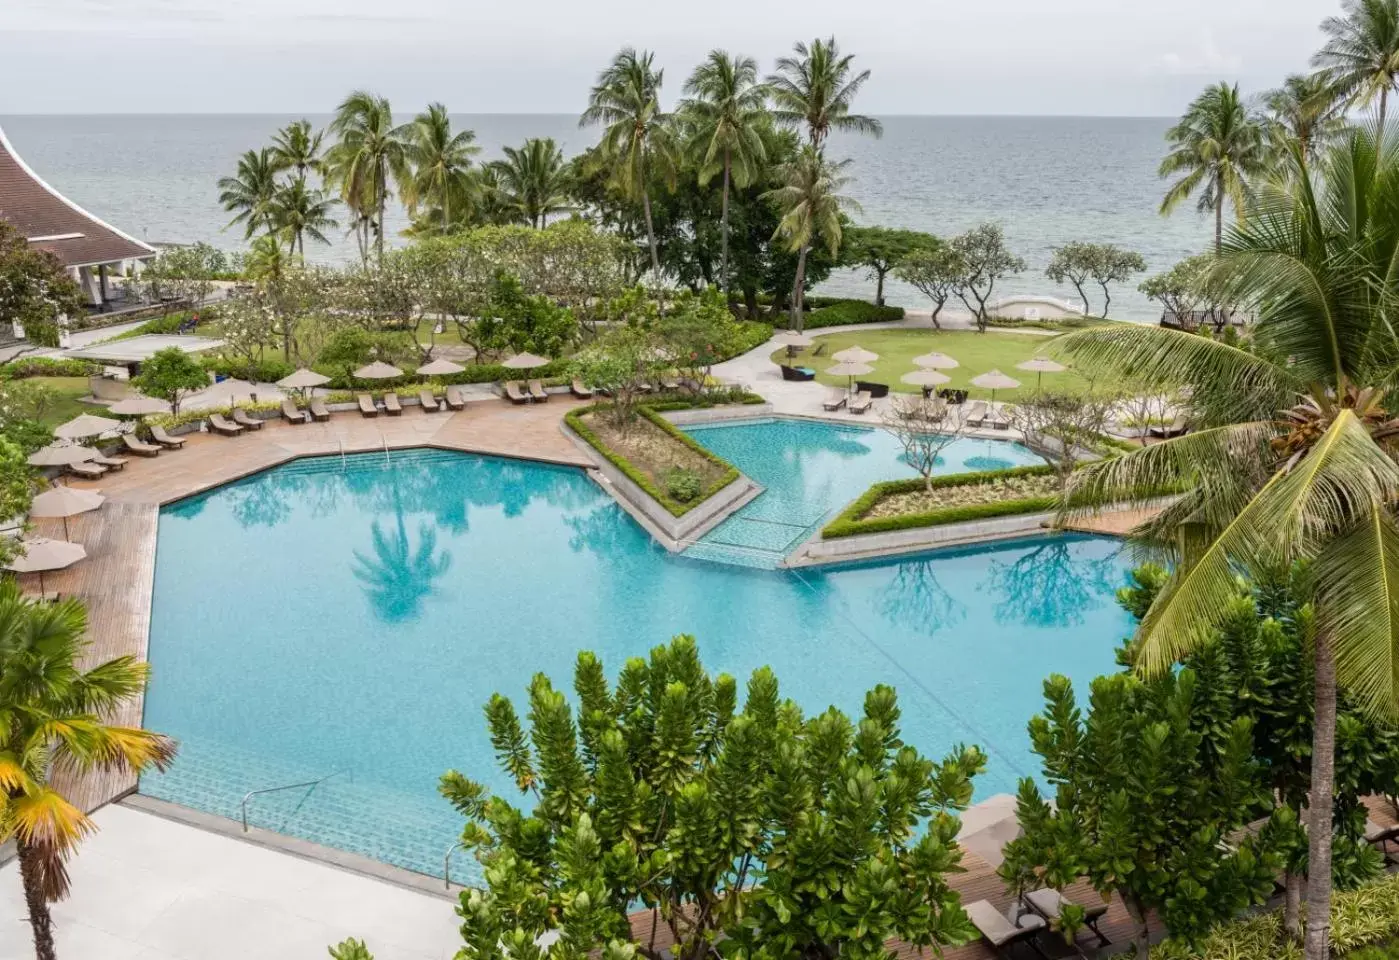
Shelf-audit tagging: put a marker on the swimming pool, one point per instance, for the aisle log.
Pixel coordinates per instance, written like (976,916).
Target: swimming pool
(351,619)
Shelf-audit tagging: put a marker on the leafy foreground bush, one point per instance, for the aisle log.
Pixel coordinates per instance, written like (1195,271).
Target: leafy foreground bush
(851,311)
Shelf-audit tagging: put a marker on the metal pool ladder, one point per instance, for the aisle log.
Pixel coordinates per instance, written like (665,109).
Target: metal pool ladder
(341,441)
(385,441)
(243,804)
(447,863)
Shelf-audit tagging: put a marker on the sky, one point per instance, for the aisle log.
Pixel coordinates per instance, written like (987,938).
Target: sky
(1015,57)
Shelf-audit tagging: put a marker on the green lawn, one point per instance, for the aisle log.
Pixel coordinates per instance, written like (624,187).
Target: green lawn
(976,352)
(66,404)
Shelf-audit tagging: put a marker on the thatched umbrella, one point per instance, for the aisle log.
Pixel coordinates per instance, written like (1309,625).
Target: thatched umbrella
(925,378)
(65,502)
(935,361)
(139,405)
(994,380)
(86,425)
(440,368)
(851,370)
(378,370)
(855,355)
(526,361)
(793,340)
(42,554)
(1041,366)
(61,455)
(303,379)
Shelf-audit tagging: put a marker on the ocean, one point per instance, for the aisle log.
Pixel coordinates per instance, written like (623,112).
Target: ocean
(1046,180)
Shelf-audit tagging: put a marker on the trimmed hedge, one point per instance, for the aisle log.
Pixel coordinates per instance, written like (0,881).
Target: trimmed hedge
(574,418)
(851,311)
(751,335)
(266,370)
(851,521)
(27,367)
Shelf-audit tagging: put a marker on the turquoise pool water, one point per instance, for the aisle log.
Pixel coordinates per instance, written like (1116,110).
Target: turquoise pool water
(351,620)
(811,469)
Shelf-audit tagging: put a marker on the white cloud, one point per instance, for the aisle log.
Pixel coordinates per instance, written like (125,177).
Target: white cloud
(1205,58)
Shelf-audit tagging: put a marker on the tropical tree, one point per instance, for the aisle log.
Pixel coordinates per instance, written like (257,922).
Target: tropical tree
(984,260)
(370,157)
(51,720)
(532,180)
(298,211)
(248,193)
(1305,115)
(1215,149)
(1079,263)
(936,271)
(881,249)
(297,147)
(815,89)
(171,374)
(1361,53)
(1262,489)
(35,289)
(440,161)
(636,138)
(725,114)
(810,204)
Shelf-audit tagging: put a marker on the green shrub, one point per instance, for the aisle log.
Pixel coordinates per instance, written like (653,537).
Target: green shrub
(852,520)
(851,311)
(683,485)
(751,335)
(46,367)
(266,370)
(170,421)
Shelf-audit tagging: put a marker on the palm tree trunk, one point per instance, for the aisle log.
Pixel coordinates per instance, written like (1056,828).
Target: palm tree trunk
(651,234)
(797,289)
(1384,106)
(1218,218)
(40,920)
(1292,906)
(1323,777)
(724,231)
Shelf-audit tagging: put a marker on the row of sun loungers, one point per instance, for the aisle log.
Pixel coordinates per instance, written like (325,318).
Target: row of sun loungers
(854,403)
(519,392)
(1002,933)
(100,466)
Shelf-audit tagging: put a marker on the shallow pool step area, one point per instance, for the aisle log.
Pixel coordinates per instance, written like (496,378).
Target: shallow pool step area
(392,827)
(761,533)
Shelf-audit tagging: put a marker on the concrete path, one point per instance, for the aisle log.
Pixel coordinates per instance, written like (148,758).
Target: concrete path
(146,888)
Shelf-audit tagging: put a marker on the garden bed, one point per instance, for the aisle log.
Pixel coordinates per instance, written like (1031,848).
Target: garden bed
(957,498)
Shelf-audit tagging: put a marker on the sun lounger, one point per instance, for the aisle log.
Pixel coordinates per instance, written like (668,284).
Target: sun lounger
(318,411)
(835,400)
(670,383)
(391,405)
(537,391)
(111,463)
(139,448)
(997,419)
(1049,903)
(1381,837)
(159,435)
(454,399)
(88,471)
(580,391)
(366,405)
(240,417)
(997,930)
(428,402)
(292,414)
(976,414)
(514,392)
(860,402)
(218,424)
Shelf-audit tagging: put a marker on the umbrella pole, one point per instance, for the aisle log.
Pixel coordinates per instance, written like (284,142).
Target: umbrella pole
(65,530)
(41,585)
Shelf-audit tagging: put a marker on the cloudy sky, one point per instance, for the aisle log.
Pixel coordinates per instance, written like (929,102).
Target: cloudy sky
(1081,57)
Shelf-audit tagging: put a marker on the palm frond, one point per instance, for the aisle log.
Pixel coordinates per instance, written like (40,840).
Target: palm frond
(1357,577)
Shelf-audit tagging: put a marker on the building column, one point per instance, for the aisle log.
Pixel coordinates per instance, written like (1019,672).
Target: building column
(102,283)
(88,282)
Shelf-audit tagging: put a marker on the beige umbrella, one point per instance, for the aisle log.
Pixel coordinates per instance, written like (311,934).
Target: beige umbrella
(58,455)
(851,370)
(855,355)
(138,405)
(378,370)
(440,368)
(925,378)
(86,425)
(65,502)
(525,361)
(935,361)
(303,379)
(994,380)
(42,554)
(988,826)
(793,341)
(1041,366)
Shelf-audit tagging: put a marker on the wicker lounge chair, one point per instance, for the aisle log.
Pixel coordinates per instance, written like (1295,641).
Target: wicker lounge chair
(860,402)
(514,392)
(997,929)
(537,391)
(159,435)
(453,399)
(391,405)
(1049,903)
(835,399)
(240,417)
(319,411)
(997,419)
(86,470)
(139,448)
(976,414)
(428,401)
(111,463)
(218,424)
(581,391)
(291,414)
(366,405)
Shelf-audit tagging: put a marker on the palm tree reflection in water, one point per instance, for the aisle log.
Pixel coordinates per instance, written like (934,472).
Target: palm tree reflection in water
(916,600)
(1047,586)
(397,578)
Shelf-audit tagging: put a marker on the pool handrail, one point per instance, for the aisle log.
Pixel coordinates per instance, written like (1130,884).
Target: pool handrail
(447,863)
(243,804)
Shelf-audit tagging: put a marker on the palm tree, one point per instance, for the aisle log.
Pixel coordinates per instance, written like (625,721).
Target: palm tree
(532,180)
(441,162)
(298,211)
(265,262)
(636,137)
(51,719)
(1303,113)
(726,114)
(369,154)
(1361,53)
(815,89)
(811,203)
(1315,483)
(1216,145)
(249,192)
(297,147)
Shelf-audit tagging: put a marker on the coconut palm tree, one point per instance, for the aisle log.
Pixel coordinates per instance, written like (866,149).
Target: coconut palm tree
(441,165)
(1361,53)
(52,719)
(299,211)
(249,192)
(1215,148)
(532,180)
(1294,457)
(1303,112)
(725,115)
(368,160)
(636,137)
(811,203)
(815,89)
(296,147)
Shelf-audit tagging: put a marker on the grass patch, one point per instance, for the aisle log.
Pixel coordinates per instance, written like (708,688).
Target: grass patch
(66,404)
(976,352)
(956,498)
